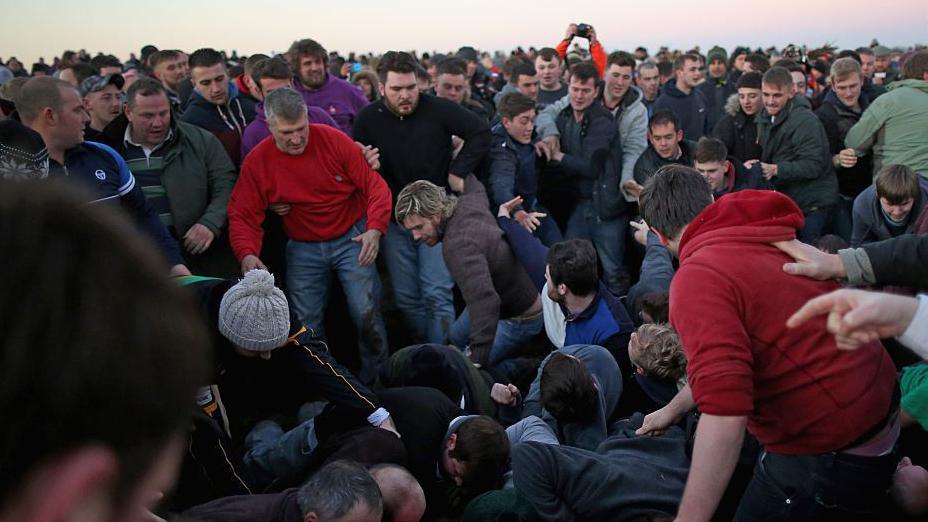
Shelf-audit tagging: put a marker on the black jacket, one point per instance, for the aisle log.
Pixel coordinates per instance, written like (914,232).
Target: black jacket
(691,109)
(838,118)
(598,162)
(738,131)
(740,178)
(900,261)
(277,507)
(650,160)
(717,93)
(418,146)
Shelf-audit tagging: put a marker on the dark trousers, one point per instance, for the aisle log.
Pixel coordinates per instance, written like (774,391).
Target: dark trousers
(830,486)
(818,223)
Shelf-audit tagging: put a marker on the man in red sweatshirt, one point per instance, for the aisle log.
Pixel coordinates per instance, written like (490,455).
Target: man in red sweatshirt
(334,208)
(827,418)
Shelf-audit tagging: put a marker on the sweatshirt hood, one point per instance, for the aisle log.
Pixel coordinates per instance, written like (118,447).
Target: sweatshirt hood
(670,89)
(732,105)
(233,93)
(921,85)
(748,216)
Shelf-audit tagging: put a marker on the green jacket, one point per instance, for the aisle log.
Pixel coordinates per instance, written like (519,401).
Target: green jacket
(894,127)
(796,143)
(198,178)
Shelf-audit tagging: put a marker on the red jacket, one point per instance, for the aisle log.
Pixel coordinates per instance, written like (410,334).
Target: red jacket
(729,302)
(329,187)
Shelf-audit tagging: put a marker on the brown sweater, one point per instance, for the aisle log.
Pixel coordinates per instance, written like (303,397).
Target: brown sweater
(493,283)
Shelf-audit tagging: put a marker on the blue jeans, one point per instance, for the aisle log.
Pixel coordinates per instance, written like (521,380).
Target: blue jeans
(309,270)
(830,486)
(271,453)
(818,223)
(421,285)
(608,236)
(511,335)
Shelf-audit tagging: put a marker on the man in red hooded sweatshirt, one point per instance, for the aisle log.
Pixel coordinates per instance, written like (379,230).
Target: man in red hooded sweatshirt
(828,419)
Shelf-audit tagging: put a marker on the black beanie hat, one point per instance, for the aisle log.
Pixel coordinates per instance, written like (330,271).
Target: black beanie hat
(750,80)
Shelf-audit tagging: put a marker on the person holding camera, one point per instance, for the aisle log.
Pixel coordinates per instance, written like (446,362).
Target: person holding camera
(586,31)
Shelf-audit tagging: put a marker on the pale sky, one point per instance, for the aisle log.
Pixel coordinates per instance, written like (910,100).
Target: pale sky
(34,28)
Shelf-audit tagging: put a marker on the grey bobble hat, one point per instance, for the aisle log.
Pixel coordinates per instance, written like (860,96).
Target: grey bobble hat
(254,314)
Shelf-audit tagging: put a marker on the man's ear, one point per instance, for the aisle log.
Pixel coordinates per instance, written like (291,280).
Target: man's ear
(679,135)
(727,166)
(76,483)
(452,442)
(381,90)
(562,289)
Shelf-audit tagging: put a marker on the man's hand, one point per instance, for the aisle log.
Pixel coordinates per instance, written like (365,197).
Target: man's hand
(811,262)
(591,36)
(505,210)
(570,32)
(633,188)
(198,238)
(281,209)
(529,220)
(847,158)
(456,183)
(554,149)
(641,231)
(545,147)
(371,155)
(856,317)
(251,262)
(910,487)
(505,394)
(750,163)
(179,270)
(769,170)
(370,245)
(656,422)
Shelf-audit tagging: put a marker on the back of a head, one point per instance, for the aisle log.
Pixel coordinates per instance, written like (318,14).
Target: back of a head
(38,94)
(76,369)
(253,60)
(672,198)
(483,447)
(336,489)
(403,498)
(659,352)
(916,66)
(567,389)
(574,263)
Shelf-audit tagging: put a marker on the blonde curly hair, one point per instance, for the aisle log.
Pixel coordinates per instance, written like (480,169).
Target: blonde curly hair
(425,199)
(658,352)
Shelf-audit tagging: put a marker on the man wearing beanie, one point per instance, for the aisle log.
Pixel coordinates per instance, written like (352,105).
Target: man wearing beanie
(717,87)
(736,128)
(267,366)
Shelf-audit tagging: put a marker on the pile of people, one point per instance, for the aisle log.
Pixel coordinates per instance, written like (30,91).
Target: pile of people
(562,284)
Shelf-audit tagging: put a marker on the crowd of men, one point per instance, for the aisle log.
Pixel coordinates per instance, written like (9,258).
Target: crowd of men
(558,284)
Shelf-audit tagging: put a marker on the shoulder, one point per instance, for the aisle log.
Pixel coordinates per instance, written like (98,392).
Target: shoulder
(102,152)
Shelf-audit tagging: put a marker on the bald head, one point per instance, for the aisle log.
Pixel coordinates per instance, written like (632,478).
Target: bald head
(403,498)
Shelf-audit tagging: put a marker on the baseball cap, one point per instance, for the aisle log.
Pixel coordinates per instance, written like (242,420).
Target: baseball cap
(97,83)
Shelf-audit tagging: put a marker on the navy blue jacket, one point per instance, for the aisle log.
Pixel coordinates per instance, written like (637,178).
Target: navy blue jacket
(691,109)
(103,172)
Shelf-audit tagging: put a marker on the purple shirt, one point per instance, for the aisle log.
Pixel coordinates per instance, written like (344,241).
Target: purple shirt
(257,130)
(340,99)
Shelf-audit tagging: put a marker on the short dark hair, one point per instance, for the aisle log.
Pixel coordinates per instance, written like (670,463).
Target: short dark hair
(915,67)
(452,65)
(584,71)
(306,47)
(656,305)
(663,117)
(144,87)
(664,68)
(673,197)
(275,68)
(89,377)
(622,59)
(523,69)
(512,62)
(483,447)
(574,263)
(849,53)
(513,104)
(567,389)
(399,62)
(82,71)
(680,62)
(336,488)
(162,56)
(778,76)
(790,66)
(39,93)
(105,60)
(205,57)
(547,54)
(861,51)
(252,61)
(758,62)
(897,183)
(709,149)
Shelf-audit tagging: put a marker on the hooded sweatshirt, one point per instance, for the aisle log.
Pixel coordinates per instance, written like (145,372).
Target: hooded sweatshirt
(340,99)
(730,300)
(691,109)
(227,121)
